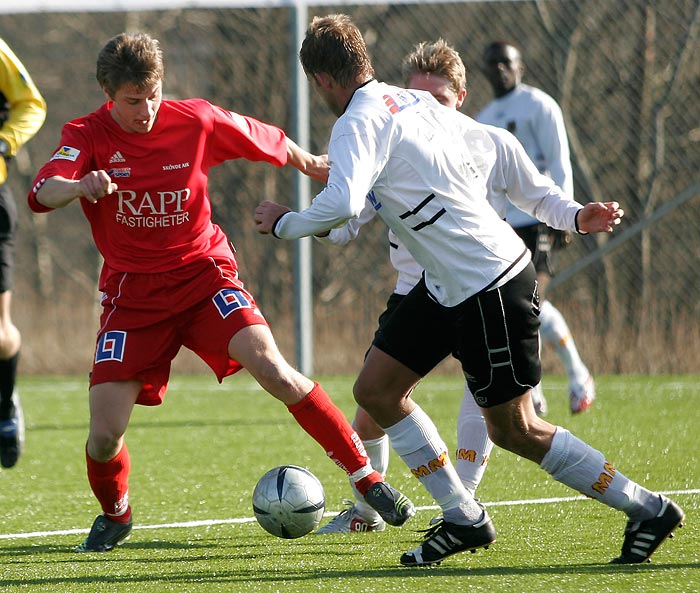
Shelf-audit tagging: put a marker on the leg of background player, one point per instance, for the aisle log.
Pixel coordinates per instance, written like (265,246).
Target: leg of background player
(11,416)
(555,332)
(473,443)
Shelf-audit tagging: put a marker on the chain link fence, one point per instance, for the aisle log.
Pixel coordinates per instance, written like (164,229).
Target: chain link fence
(624,71)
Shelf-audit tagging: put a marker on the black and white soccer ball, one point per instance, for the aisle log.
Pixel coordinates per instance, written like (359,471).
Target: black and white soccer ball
(289,501)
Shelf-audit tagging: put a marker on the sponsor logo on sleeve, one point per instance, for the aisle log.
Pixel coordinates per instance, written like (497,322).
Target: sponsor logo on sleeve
(66,153)
(373,200)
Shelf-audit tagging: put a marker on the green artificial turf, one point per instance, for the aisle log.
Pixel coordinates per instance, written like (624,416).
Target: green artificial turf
(196,459)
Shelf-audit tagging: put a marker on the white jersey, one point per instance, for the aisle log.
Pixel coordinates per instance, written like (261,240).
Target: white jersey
(424,167)
(537,121)
(409,270)
(513,178)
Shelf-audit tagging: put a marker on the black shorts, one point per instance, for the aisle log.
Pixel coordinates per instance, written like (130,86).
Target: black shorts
(391,304)
(494,334)
(8,233)
(538,239)
(413,330)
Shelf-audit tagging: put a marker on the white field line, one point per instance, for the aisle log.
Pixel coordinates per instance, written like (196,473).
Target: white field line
(209,522)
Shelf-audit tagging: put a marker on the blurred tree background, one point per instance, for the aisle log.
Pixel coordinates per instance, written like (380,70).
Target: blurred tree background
(624,71)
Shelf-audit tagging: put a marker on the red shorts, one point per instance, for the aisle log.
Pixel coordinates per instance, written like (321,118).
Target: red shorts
(146,318)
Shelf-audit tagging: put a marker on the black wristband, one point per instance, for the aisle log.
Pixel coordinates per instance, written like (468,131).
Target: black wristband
(274,224)
(578,230)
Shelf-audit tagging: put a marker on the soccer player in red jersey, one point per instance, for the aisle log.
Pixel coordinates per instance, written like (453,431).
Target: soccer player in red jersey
(138,166)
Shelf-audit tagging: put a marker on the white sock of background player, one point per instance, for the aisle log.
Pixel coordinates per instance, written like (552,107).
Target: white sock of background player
(378,452)
(473,443)
(555,332)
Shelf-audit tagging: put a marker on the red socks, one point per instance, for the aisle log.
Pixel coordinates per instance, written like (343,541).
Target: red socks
(110,483)
(316,414)
(324,421)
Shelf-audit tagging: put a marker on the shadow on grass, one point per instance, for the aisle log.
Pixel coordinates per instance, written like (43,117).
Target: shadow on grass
(228,550)
(256,576)
(219,560)
(19,554)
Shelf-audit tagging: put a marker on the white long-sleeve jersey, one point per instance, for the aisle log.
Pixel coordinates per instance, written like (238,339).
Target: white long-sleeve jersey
(424,168)
(537,122)
(513,178)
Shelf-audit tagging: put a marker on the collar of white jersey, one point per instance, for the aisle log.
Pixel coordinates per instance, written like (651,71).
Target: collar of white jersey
(357,89)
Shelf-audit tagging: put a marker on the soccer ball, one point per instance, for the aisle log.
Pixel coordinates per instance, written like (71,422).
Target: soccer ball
(288,501)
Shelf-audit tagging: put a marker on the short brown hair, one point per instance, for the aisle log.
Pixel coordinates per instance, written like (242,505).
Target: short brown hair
(334,45)
(437,58)
(129,58)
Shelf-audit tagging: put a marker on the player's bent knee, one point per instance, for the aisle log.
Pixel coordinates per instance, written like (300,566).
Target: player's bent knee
(369,398)
(103,446)
(529,439)
(508,431)
(497,434)
(363,396)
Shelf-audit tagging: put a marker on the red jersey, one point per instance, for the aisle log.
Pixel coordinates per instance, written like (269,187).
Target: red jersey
(160,216)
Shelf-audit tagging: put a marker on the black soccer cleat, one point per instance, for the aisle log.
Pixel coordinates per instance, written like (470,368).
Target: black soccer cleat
(444,539)
(392,506)
(105,535)
(643,537)
(12,435)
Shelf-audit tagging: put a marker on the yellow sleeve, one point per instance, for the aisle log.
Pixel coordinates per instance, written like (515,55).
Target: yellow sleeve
(27,106)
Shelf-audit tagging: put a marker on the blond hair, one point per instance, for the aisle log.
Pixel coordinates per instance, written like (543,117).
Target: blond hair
(437,58)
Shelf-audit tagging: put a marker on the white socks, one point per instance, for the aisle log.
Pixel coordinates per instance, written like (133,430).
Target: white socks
(473,443)
(378,452)
(583,468)
(555,332)
(416,440)
(473,451)
(569,461)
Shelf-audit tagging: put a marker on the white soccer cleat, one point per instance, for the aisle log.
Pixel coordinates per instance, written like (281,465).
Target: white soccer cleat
(581,397)
(351,521)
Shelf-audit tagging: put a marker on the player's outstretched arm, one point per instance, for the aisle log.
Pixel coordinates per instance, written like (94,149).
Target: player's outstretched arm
(266,215)
(315,166)
(57,192)
(599,217)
